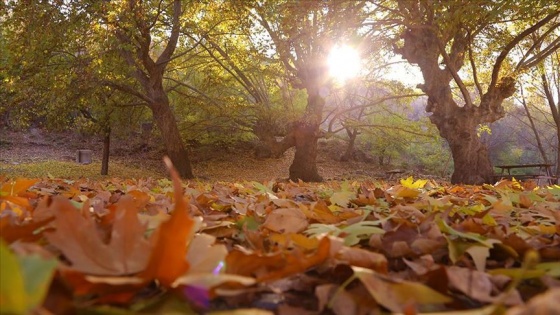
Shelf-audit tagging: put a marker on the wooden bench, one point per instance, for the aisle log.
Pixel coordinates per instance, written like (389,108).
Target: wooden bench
(544,172)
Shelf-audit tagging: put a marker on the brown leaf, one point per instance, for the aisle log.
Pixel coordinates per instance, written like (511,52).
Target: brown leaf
(10,231)
(543,304)
(476,285)
(78,239)
(273,267)
(397,295)
(362,258)
(286,220)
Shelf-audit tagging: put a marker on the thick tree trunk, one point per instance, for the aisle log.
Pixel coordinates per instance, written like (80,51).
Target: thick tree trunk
(306,134)
(304,166)
(165,120)
(457,123)
(106,150)
(470,155)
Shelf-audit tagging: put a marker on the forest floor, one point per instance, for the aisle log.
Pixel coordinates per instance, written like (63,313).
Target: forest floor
(341,247)
(210,163)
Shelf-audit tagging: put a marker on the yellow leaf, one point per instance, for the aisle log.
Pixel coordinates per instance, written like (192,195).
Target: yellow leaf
(410,183)
(403,192)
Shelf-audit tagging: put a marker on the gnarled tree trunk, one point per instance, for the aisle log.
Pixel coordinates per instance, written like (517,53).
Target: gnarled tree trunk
(470,155)
(137,53)
(352,135)
(456,123)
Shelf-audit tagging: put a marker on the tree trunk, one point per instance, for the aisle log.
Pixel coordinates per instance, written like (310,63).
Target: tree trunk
(457,123)
(304,165)
(352,135)
(470,155)
(165,120)
(106,150)
(306,134)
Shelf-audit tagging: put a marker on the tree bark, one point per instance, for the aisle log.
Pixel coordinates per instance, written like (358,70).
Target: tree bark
(268,146)
(106,150)
(470,155)
(352,135)
(306,134)
(165,120)
(304,165)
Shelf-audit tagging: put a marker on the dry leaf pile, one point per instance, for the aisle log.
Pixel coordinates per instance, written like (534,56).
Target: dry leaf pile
(147,246)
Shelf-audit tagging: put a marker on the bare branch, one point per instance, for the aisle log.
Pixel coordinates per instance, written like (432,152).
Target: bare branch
(473,67)
(450,65)
(377,102)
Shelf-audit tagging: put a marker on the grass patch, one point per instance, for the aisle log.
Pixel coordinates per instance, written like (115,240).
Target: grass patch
(72,170)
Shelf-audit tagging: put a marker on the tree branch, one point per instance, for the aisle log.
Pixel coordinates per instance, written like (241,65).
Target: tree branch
(498,64)
(451,68)
(165,56)
(377,102)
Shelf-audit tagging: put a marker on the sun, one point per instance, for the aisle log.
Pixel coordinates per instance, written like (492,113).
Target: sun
(344,63)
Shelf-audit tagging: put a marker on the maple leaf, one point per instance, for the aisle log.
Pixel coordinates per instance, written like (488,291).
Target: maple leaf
(11,231)
(352,234)
(410,183)
(77,237)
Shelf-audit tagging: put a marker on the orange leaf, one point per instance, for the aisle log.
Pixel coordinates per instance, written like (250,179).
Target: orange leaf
(11,232)
(168,258)
(273,267)
(77,237)
(20,185)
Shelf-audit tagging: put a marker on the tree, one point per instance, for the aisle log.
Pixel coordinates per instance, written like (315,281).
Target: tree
(236,79)
(301,34)
(148,34)
(124,45)
(442,36)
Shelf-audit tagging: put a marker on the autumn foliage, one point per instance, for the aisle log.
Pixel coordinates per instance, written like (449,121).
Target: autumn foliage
(147,246)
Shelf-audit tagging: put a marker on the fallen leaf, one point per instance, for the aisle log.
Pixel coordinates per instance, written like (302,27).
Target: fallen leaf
(286,220)
(24,281)
(78,239)
(167,260)
(396,294)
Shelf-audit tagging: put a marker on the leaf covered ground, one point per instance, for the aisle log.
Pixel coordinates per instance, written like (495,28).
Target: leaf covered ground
(363,247)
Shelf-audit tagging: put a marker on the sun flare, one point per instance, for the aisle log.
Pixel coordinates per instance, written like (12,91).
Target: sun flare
(344,63)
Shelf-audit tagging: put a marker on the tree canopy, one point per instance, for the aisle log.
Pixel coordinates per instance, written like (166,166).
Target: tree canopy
(220,70)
